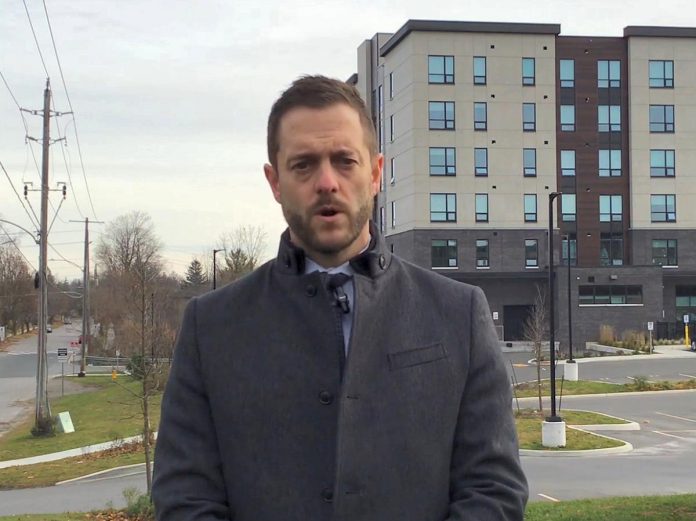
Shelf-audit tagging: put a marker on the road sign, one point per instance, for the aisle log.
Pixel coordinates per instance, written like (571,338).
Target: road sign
(651,326)
(686,318)
(62,354)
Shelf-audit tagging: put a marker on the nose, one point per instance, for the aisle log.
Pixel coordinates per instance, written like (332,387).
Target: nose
(327,177)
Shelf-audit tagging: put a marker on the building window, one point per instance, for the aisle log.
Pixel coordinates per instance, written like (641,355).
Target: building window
(610,208)
(391,85)
(481,208)
(573,249)
(392,170)
(568,207)
(529,162)
(661,74)
(663,208)
(664,252)
(610,163)
(480,116)
(440,69)
(661,163)
(528,71)
(685,301)
(443,161)
(662,118)
(443,208)
(568,118)
(530,208)
(479,70)
(382,219)
(441,115)
(567,163)
(482,259)
(610,295)
(481,162)
(393,214)
(531,253)
(380,111)
(608,73)
(443,253)
(529,117)
(567,73)
(609,118)
(391,128)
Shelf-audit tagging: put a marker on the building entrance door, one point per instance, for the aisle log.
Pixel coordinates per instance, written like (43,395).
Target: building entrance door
(513,321)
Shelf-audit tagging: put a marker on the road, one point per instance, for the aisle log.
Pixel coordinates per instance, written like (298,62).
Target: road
(18,371)
(673,365)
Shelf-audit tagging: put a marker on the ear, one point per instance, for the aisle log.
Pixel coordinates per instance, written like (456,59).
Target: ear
(376,174)
(273,181)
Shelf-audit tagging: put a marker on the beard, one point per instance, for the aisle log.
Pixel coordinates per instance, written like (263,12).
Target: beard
(309,234)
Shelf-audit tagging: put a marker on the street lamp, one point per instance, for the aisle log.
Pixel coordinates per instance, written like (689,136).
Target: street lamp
(215,267)
(552,306)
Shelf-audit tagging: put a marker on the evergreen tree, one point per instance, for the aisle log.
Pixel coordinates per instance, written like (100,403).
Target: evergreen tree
(195,275)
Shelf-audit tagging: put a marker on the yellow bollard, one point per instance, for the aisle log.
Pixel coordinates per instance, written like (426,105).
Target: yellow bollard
(113,374)
(687,340)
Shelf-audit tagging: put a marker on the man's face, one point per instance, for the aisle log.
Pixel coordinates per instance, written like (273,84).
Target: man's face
(325,181)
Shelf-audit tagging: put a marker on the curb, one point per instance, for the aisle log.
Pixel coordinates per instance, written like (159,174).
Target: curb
(626,447)
(99,473)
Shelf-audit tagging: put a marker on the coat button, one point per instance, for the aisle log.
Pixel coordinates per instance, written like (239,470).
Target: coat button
(325,397)
(327,495)
(311,290)
(382,261)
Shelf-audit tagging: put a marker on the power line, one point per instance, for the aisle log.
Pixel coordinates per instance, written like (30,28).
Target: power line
(18,249)
(9,90)
(38,47)
(17,194)
(77,138)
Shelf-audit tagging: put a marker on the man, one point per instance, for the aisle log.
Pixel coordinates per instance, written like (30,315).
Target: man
(293,396)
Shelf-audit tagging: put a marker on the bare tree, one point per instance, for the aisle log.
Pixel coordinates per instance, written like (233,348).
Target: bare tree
(130,252)
(17,292)
(243,247)
(535,330)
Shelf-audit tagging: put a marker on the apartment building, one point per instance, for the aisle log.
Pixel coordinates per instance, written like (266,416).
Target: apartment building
(480,122)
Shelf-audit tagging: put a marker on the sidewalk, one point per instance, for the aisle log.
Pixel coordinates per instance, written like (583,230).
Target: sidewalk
(70,453)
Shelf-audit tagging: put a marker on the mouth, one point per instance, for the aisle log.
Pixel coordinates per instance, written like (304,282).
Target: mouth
(328,212)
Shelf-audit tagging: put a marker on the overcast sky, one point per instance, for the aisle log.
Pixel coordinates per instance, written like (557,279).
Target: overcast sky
(171,99)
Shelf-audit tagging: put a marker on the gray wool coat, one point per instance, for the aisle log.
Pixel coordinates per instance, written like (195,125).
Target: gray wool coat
(264,420)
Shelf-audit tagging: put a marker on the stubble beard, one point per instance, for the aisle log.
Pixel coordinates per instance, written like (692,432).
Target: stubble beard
(301,226)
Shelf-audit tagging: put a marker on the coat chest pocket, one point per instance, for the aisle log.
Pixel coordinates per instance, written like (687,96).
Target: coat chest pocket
(417,356)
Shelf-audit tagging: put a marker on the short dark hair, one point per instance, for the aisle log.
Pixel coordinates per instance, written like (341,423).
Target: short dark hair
(317,92)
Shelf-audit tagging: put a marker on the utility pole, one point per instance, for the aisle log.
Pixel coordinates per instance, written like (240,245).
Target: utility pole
(43,422)
(85,300)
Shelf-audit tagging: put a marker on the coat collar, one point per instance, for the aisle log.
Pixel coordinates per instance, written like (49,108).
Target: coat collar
(372,262)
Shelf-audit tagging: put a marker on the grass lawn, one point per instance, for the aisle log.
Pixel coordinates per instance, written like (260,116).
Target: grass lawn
(529,389)
(648,508)
(110,412)
(529,430)
(47,474)
(653,508)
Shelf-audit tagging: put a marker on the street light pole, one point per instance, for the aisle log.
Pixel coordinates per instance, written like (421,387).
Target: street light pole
(552,336)
(215,268)
(570,308)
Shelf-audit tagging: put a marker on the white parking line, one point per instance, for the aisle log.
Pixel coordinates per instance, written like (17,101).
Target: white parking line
(549,498)
(671,435)
(675,417)
(687,375)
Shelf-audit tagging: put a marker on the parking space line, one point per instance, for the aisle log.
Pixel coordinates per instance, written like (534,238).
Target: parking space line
(671,435)
(549,498)
(687,375)
(675,417)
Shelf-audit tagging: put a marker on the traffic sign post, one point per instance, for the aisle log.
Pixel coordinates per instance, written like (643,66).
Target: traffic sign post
(651,326)
(687,340)
(62,358)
